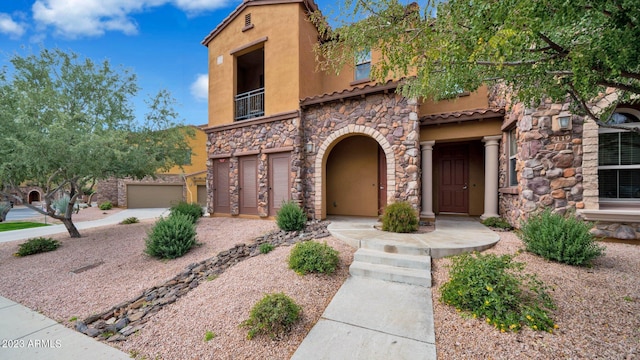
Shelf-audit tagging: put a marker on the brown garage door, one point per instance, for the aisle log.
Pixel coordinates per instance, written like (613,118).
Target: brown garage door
(153,196)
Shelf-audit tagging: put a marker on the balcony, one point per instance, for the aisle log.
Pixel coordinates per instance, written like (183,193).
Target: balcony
(250,104)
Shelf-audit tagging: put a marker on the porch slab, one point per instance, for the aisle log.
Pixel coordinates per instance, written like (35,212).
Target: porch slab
(453,235)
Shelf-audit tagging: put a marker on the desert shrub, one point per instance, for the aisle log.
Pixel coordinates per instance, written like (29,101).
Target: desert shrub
(497,222)
(559,238)
(311,256)
(60,205)
(36,246)
(193,210)
(266,248)
(171,237)
(290,217)
(273,315)
(494,288)
(400,217)
(107,205)
(130,220)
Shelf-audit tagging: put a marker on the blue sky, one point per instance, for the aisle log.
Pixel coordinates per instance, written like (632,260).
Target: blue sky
(159,40)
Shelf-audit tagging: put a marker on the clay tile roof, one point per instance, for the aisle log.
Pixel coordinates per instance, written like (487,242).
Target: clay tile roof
(458,116)
(349,93)
(309,4)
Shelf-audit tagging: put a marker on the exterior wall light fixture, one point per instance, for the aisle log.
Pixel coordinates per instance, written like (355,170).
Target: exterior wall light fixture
(309,147)
(564,122)
(561,122)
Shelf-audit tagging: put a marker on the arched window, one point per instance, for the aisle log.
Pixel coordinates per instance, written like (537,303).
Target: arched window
(619,160)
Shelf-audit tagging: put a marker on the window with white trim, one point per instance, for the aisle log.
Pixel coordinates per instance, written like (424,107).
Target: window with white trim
(512,151)
(363,65)
(619,159)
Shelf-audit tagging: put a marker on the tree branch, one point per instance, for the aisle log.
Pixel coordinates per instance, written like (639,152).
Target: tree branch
(621,86)
(515,63)
(590,114)
(559,49)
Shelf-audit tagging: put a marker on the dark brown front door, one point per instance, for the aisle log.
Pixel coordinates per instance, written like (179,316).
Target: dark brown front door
(278,181)
(454,179)
(248,185)
(221,186)
(382,181)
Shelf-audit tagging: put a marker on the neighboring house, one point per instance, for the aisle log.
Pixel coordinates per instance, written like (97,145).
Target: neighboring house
(343,145)
(186,183)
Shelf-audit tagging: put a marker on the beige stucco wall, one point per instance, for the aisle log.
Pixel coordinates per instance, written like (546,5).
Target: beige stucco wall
(352,177)
(279,24)
(468,130)
(475,100)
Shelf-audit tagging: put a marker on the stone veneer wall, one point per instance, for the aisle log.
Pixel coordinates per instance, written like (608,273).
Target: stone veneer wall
(107,190)
(256,137)
(549,164)
(390,119)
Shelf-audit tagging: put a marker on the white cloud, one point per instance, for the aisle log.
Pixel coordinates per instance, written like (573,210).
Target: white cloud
(193,6)
(78,18)
(200,87)
(10,27)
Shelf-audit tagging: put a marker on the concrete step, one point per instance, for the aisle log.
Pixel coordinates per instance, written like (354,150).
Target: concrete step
(420,277)
(394,247)
(392,259)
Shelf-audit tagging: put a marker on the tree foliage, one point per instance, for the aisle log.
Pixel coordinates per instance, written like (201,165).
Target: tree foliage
(68,121)
(539,49)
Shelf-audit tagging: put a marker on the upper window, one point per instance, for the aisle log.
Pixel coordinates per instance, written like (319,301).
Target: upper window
(619,158)
(363,65)
(513,149)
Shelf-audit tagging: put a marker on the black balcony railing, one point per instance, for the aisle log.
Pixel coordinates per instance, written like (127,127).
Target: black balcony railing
(250,104)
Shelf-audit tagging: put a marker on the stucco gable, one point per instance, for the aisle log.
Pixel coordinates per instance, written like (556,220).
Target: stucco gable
(309,5)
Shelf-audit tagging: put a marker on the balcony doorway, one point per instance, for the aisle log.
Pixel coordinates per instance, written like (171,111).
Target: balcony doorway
(249,99)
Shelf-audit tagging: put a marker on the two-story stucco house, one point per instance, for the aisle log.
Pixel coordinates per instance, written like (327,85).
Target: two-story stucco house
(344,145)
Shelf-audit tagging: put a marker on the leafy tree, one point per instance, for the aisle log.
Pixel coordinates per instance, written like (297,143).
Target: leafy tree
(539,49)
(67,122)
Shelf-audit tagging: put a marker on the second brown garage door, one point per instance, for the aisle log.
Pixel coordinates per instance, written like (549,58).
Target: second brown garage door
(153,196)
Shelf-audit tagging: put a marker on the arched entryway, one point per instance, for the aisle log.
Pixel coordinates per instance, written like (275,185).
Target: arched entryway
(34,196)
(353,177)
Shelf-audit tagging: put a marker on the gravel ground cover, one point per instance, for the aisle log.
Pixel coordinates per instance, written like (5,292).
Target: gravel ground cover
(598,311)
(597,308)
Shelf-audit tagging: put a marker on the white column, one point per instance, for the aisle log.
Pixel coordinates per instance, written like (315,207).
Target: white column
(491,158)
(427,180)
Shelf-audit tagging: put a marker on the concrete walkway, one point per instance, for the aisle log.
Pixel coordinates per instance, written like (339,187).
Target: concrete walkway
(28,335)
(114,219)
(370,318)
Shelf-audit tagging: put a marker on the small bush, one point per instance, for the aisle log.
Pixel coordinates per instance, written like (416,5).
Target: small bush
(290,217)
(209,335)
(494,288)
(497,222)
(36,246)
(171,237)
(273,315)
(193,210)
(130,220)
(562,239)
(266,248)
(311,256)
(60,205)
(107,205)
(400,217)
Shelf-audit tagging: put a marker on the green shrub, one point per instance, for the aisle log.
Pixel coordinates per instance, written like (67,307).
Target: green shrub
(559,238)
(290,217)
(107,205)
(36,246)
(209,335)
(400,217)
(266,248)
(193,210)
(130,220)
(494,288)
(171,237)
(497,222)
(273,315)
(311,256)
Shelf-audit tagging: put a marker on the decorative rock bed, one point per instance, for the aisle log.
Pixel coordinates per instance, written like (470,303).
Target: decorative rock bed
(128,317)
